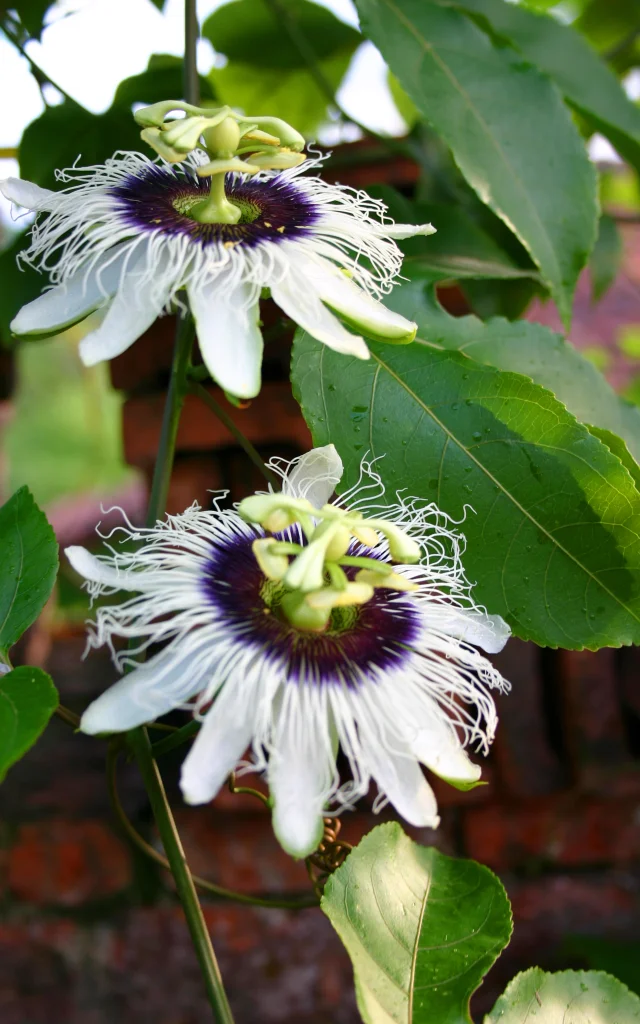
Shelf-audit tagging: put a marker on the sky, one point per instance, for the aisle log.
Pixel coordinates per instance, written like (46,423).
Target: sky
(129,31)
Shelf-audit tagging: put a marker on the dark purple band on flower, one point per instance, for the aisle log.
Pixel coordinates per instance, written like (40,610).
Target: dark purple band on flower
(159,197)
(376,638)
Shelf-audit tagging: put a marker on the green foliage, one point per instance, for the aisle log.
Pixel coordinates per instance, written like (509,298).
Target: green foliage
(554,543)
(583,77)
(474,93)
(162,80)
(572,997)
(31,13)
(266,71)
(606,257)
(610,955)
(28,566)
(527,348)
(28,699)
(422,929)
(616,445)
(68,132)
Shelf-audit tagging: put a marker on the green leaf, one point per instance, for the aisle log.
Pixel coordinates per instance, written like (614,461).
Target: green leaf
(606,257)
(554,544)
(28,699)
(249,32)
(406,107)
(527,348)
(580,73)
(292,94)
(68,132)
(162,80)
(31,12)
(266,73)
(474,94)
(616,445)
(570,997)
(459,249)
(28,566)
(422,929)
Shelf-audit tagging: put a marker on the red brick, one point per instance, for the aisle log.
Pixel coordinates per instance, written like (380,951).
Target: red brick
(67,863)
(566,831)
(239,852)
(522,755)
(273,417)
(279,967)
(596,737)
(145,365)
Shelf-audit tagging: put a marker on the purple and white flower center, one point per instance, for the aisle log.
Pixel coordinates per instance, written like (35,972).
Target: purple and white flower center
(159,199)
(359,642)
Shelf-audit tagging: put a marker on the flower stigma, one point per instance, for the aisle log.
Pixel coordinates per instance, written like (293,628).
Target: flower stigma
(312,584)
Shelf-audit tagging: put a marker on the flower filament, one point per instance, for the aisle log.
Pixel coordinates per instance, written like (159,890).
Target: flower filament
(318,576)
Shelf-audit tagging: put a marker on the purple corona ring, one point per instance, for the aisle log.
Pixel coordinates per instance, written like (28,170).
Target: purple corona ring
(392,676)
(125,237)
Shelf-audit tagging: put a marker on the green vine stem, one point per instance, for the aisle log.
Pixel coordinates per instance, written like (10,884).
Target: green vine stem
(301,903)
(138,740)
(200,392)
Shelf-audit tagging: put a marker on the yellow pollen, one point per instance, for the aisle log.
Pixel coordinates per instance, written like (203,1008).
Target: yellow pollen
(280,229)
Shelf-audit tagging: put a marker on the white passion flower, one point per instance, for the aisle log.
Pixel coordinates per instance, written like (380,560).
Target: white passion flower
(121,236)
(392,678)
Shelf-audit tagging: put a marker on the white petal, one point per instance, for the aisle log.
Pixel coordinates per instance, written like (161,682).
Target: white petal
(97,571)
(490,632)
(356,305)
(229,336)
(314,476)
(401,779)
(299,780)
(302,303)
(28,195)
(218,747)
(437,746)
(131,313)
(161,684)
(406,230)
(67,303)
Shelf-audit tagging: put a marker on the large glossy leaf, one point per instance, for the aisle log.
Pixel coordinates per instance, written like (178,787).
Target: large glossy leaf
(568,997)
(581,74)
(28,699)
(28,566)
(422,929)
(554,544)
(528,348)
(267,72)
(507,127)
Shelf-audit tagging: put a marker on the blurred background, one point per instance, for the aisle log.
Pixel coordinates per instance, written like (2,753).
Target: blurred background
(90,929)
